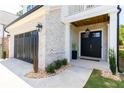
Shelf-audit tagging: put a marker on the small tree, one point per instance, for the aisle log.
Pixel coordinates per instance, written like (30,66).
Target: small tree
(112,61)
(20,12)
(4,55)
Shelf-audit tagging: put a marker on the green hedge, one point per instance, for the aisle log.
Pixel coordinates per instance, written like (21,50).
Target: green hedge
(56,65)
(4,55)
(64,62)
(50,68)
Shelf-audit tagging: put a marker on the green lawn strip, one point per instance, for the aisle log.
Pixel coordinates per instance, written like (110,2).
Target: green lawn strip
(97,81)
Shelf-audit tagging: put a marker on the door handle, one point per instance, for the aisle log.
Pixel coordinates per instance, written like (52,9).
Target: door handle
(90,45)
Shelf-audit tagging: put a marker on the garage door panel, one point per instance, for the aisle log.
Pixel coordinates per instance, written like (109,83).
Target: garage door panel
(26,46)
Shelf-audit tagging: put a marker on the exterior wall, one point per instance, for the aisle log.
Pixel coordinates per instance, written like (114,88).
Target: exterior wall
(113,32)
(1,32)
(3,42)
(42,43)
(55,37)
(75,36)
(5,19)
(1,35)
(27,25)
(88,13)
(54,34)
(11,46)
(6,45)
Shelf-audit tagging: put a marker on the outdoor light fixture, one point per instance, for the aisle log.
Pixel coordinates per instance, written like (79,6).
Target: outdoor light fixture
(87,32)
(39,27)
(8,35)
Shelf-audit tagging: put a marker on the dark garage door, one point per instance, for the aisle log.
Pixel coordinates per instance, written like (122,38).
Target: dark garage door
(26,46)
(91,46)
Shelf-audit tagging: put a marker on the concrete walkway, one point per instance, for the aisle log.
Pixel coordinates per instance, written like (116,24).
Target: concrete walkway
(73,77)
(10,80)
(88,64)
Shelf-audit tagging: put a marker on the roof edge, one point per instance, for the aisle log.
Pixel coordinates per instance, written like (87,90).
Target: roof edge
(24,15)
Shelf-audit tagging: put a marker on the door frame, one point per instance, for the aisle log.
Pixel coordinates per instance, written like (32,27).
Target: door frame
(92,30)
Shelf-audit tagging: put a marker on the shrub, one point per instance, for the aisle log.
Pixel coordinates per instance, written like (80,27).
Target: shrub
(120,42)
(64,62)
(50,68)
(58,64)
(112,61)
(4,54)
(55,65)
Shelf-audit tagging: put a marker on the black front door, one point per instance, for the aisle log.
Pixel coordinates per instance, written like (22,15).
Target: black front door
(26,46)
(91,45)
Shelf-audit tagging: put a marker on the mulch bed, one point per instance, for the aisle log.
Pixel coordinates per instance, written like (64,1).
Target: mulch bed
(109,75)
(44,74)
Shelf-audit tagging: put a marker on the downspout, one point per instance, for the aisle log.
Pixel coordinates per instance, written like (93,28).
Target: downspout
(118,16)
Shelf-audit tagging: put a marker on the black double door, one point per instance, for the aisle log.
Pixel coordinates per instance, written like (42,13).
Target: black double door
(91,45)
(26,46)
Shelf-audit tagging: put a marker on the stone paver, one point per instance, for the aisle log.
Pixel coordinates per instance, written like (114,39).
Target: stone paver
(74,77)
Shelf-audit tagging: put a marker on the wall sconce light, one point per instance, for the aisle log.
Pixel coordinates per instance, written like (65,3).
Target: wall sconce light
(87,32)
(8,35)
(39,27)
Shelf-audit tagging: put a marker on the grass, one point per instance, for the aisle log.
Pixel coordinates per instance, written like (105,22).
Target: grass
(97,81)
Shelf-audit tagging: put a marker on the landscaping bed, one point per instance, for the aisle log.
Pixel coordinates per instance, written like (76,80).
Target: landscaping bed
(52,69)
(103,79)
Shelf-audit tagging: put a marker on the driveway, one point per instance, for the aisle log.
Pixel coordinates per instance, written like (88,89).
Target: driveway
(10,80)
(73,77)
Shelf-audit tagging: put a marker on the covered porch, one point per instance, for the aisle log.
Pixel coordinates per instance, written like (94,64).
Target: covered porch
(103,35)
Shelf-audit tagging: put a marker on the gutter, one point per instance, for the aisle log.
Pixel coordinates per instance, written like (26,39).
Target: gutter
(118,17)
(24,15)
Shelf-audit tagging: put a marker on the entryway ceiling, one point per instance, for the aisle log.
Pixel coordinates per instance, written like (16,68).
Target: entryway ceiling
(93,20)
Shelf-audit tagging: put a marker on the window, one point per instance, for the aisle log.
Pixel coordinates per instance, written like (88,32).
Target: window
(97,34)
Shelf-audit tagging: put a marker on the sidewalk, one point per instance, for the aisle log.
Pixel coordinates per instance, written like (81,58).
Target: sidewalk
(10,80)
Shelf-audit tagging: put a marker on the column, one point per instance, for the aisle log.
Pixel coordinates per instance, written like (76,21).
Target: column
(67,42)
(11,46)
(113,32)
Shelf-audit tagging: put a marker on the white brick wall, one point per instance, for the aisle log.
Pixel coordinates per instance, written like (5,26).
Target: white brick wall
(55,37)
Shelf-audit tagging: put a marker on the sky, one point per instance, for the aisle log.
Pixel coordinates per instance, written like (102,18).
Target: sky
(10,8)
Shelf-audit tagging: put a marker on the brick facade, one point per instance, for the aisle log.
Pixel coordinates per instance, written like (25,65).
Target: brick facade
(6,45)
